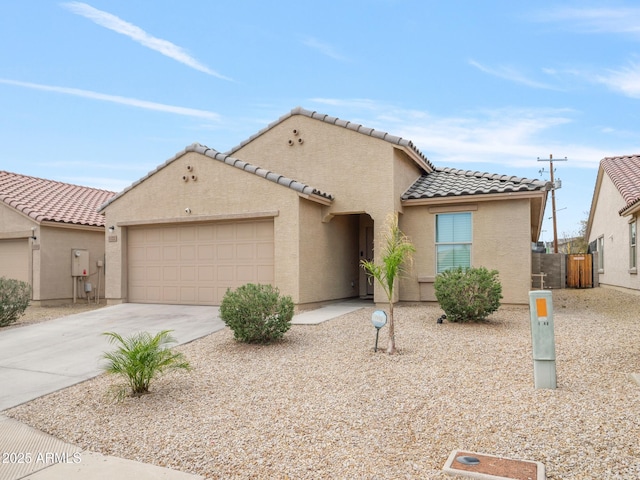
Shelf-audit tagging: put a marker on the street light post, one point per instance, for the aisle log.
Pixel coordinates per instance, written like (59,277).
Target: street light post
(553,199)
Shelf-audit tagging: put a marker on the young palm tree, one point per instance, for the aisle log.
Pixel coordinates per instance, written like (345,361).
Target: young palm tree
(141,357)
(397,250)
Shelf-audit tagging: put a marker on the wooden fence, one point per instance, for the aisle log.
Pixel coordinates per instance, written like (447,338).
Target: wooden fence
(579,271)
(558,270)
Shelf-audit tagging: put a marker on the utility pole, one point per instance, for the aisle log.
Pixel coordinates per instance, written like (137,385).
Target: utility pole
(553,199)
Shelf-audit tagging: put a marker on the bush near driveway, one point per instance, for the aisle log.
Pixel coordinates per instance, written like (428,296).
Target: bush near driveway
(256,313)
(14,300)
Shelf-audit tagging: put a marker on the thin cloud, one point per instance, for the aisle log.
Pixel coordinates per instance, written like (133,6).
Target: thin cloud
(506,137)
(112,22)
(510,74)
(131,102)
(324,48)
(625,80)
(103,183)
(623,20)
(134,167)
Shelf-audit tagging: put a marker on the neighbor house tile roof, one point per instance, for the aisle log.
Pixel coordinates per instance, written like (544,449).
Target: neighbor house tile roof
(624,172)
(48,200)
(356,127)
(233,162)
(451,182)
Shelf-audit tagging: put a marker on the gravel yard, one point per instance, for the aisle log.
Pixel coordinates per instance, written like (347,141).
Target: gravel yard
(322,404)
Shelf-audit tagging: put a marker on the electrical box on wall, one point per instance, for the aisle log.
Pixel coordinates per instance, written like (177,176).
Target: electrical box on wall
(79,263)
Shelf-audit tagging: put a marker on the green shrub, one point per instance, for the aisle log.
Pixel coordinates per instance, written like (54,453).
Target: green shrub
(468,295)
(140,358)
(14,300)
(256,313)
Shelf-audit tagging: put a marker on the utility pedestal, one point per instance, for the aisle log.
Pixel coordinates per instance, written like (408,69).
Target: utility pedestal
(543,339)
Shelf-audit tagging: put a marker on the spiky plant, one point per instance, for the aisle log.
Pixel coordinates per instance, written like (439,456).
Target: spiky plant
(140,358)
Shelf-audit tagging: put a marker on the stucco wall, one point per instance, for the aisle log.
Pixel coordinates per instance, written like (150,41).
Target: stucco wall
(13,227)
(615,229)
(355,168)
(501,241)
(14,224)
(220,191)
(328,255)
(365,174)
(57,243)
(49,258)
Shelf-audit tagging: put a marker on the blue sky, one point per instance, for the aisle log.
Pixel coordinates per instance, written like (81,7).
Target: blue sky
(100,93)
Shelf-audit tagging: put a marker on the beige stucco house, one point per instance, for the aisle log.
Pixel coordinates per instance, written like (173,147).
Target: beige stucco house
(299,205)
(612,224)
(43,223)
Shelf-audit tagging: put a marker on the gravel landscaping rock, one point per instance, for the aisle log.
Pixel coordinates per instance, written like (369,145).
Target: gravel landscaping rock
(322,404)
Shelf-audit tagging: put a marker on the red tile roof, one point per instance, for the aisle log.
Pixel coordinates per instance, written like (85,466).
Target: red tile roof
(48,200)
(624,172)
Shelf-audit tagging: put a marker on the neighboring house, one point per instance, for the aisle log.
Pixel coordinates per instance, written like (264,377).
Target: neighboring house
(299,205)
(612,225)
(568,245)
(42,224)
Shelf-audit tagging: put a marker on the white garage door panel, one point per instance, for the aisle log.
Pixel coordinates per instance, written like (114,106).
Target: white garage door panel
(196,264)
(14,259)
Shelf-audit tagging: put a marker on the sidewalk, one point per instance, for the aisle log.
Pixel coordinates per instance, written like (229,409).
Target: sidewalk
(28,453)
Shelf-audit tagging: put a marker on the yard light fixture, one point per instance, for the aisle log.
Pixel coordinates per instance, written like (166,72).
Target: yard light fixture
(379,320)
(111,229)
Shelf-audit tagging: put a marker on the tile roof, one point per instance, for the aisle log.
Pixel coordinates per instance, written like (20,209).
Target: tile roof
(48,200)
(234,162)
(624,172)
(341,123)
(450,182)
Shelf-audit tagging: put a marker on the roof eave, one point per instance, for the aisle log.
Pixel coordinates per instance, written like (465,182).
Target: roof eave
(477,197)
(316,198)
(631,209)
(419,160)
(75,226)
(594,201)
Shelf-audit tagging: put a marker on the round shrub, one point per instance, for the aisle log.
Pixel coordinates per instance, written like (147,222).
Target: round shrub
(14,300)
(256,313)
(468,295)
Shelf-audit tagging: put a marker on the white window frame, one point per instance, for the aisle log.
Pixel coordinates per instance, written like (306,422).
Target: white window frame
(469,242)
(633,252)
(600,249)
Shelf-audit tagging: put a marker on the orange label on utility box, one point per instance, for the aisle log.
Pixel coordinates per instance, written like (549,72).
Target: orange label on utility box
(541,307)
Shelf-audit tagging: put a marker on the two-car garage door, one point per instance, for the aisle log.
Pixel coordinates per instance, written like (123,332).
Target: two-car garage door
(195,264)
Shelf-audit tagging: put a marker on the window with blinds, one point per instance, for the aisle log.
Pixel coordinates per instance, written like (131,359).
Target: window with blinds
(453,241)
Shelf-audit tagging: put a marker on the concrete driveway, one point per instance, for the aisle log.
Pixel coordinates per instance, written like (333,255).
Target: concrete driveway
(41,358)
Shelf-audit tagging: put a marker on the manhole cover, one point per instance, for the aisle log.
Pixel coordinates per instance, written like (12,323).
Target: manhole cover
(485,466)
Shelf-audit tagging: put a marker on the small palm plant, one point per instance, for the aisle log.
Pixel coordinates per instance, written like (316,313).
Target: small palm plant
(396,251)
(140,358)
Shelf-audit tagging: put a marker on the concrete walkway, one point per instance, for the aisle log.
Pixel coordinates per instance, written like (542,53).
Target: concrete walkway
(41,358)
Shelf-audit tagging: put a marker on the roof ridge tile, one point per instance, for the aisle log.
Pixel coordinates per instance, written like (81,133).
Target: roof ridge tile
(341,123)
